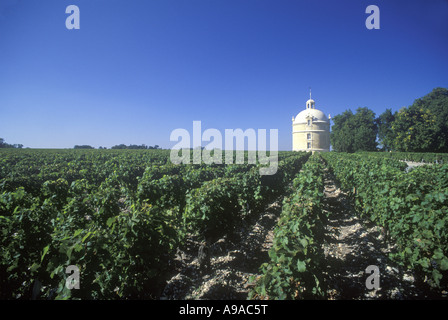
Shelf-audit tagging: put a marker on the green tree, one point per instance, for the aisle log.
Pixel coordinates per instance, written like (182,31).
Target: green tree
(414,130)
(385,133)
(120,146)
(437,103)
(365,130)
(423,126)
(3,144)
(354,132)
(340,137)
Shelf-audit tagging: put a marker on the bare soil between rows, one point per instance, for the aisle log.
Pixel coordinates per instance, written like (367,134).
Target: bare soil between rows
(352,244)
(233,259)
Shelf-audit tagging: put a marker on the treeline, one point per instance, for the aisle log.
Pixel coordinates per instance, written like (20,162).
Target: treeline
(119,146)
(134,146)
(3,144)
(421,127)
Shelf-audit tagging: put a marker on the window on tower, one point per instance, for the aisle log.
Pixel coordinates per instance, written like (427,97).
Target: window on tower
(309,122)
(308,145)
(308,136)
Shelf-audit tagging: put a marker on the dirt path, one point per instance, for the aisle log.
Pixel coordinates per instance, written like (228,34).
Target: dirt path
(232,262)
(353,245)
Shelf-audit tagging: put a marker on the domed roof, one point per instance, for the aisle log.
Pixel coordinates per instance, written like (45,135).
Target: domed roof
(316,115)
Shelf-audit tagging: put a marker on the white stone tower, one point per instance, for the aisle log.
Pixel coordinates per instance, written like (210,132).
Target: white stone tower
(311,129)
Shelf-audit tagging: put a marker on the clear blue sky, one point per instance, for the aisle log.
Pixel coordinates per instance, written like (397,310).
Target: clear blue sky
(136,70)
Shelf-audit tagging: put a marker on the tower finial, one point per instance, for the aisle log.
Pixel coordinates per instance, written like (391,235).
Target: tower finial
(310,93)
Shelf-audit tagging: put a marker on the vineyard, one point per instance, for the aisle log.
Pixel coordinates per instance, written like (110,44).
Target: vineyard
(130,220)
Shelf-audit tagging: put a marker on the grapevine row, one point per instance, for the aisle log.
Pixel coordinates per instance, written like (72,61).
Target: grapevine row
(294,270)
(411,208)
